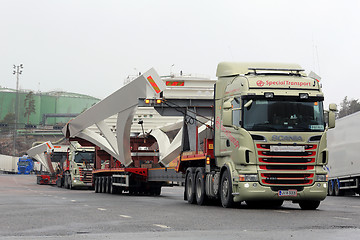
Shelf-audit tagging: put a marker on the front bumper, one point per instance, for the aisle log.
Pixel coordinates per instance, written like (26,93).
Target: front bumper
(253,191)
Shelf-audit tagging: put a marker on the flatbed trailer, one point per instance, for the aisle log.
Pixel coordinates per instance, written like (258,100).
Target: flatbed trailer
(137,150)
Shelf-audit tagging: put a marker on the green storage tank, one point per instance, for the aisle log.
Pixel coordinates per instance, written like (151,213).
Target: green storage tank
(45,103)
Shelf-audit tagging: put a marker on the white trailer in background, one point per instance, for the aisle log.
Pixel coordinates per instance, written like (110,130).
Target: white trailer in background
(8,164)
(344,160)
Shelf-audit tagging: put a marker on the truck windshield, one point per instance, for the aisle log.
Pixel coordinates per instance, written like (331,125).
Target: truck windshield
(284,116)
(87,157)
(23,163)
(58,157)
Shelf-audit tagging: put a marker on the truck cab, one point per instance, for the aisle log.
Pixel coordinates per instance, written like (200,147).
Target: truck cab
(79,166)
(25,165)
(270,135)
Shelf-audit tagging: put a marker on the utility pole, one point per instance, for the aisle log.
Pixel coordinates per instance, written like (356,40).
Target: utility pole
(17,71)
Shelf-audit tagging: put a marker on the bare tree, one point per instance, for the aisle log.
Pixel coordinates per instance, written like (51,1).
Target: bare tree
(29,104)
(348,107)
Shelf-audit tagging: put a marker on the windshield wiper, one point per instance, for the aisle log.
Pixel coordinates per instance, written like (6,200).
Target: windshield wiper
(264,127)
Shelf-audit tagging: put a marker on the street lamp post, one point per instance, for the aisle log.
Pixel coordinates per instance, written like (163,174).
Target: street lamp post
(17,71)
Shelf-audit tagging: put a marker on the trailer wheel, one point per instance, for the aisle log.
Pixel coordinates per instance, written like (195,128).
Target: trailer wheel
(200,186)
(190,186)
(309,205)
(337,190)
(227,200)
(112,188)
(100,184)
(331,188)
(103,184)
(96,185)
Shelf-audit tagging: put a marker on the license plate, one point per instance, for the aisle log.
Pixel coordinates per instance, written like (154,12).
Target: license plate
(286,193)
(275,148)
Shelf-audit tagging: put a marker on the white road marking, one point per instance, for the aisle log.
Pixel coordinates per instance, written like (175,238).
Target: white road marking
(342,218)
(101,209)
(73,200)
(125,216)
(64,198)
(161,226)
(282,211)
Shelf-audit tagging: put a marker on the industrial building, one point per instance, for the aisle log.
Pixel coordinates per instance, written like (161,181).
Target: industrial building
(50,107)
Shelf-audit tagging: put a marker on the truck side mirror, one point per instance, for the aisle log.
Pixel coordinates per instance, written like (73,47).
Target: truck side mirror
(332,110)
(227,114)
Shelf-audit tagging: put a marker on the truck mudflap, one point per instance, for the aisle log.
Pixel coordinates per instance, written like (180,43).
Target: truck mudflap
(165,174)
(43,179)
(248,191)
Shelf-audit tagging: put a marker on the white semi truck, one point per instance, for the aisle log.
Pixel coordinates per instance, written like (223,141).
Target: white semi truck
(344,162)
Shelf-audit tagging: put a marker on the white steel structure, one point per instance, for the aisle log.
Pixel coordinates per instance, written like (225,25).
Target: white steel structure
(109,123)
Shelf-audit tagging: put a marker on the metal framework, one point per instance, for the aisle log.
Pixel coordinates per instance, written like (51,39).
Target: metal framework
(110,123)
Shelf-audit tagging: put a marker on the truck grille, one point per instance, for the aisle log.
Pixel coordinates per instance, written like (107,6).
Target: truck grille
(287,168)
(85,175)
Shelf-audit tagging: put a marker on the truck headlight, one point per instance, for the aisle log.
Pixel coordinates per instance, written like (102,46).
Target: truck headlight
(321,178)
(248,178)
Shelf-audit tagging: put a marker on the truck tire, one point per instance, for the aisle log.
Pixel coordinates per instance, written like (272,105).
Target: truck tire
(58,182)
(200,186)
(105,183)
(65,182)
(96,185)
(112,188)
(331,188)
(108,184)
(309,205)
(100,185)
(190,186)
(337,190)
(226,197)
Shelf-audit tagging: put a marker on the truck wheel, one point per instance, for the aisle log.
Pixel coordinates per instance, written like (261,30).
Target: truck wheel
(67,178)
(227,200)
(190,187)
(65,181)
(112,189)
(331,188)
(96,185)
(107,184)
(103,184)
(200,186)
(337,190)
(309,205)
(58,182)
(100,184)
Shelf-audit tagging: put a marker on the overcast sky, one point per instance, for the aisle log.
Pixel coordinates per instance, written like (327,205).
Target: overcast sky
(90,47)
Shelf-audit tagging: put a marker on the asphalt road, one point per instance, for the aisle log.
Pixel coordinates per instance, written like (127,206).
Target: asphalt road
(31,211)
